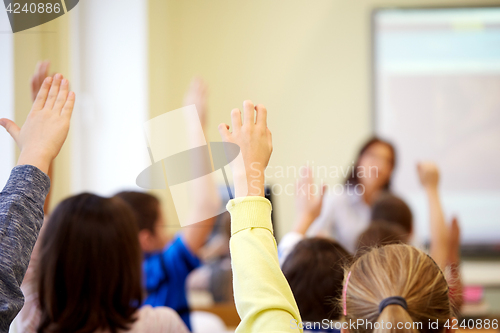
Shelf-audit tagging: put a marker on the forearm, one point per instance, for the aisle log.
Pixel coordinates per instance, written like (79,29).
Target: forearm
(21,217)
(438,229)
(205,199)
(263,297)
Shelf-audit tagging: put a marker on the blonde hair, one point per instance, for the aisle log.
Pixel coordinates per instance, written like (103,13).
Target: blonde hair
(396,270)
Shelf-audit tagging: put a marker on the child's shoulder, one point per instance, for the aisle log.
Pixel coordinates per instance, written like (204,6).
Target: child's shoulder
(159,318)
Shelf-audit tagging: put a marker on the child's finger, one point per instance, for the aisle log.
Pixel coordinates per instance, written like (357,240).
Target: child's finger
(54,91)
(62,96)
(69,105)
(270,139)
(261,115)
(10,127)
(42,94)
(224,131)
(248,112)
(236,119)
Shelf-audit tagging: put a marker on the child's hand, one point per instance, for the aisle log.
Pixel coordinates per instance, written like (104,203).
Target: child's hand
(41,72)
(428,173)
(197,94)
(308,201)
(255,142)
(46,126)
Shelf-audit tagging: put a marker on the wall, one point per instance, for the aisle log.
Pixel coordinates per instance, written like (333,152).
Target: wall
(48,41)
(307,61)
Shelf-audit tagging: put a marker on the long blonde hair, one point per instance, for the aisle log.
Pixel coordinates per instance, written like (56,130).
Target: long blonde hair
(396,270)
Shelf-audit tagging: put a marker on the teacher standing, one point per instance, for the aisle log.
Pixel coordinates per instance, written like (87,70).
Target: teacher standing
(346,215)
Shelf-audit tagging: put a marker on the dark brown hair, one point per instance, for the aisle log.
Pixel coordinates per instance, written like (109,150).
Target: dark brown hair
(314,270)
(381,233)
(391,208)
(396,270)
(89,274)
(145,207)
(353,179)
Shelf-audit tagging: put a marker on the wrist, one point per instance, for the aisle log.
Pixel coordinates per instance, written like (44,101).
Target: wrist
(36,159)
(248,185)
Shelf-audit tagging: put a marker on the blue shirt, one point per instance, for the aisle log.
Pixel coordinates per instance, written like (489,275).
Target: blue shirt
(166,273)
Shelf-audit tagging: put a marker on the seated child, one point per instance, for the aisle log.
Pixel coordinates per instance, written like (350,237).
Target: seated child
(167,264)
(390,208)
(315,271)
(381,233)
(85,275)
(313,267)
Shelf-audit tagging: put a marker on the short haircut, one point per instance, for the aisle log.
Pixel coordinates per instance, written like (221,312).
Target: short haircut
(145,207)
(390,208)
(89,274)
(314,270)
(381,233)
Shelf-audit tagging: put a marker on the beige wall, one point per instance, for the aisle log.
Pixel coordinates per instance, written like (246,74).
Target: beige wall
(48,41)
(307,61)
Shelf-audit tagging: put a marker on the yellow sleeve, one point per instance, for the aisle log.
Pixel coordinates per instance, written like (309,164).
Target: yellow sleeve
(264,300)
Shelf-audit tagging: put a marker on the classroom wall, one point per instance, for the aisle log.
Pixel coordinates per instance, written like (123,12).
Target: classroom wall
(48,41)
(307,61)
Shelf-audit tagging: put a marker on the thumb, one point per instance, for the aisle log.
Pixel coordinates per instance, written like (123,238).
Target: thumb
(11,127)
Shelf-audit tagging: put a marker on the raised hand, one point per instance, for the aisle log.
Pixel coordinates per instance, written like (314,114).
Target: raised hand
(197,94)
(454,242)
(41,72)
(47,125)
(428,173)
(308,201)
(255,141)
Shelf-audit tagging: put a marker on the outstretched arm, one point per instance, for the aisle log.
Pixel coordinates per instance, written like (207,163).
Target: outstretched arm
(455,279)
(206,199)
(429,177)
(21,201)
(263,297)
(308,203)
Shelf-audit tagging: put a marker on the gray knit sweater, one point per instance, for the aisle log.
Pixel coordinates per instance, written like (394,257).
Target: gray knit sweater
(21,217)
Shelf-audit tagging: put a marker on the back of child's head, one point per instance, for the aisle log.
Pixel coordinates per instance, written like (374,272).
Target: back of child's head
(380,233)
(314,270)
(391,208)
(145,207)
(395,288)
(89,274)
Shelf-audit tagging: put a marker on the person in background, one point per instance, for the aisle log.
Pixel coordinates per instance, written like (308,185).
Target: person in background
(314,270)
(21,201)
(391,208)
(85,275)
(346,215)
(380,233)
(167,263)
(393,223)
(313,266)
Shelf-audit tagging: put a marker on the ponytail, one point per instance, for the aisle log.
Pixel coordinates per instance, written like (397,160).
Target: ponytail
(395,319)
(373,280)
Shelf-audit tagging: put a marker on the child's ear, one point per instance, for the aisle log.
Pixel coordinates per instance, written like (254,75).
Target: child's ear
(450,329)
(145,240)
